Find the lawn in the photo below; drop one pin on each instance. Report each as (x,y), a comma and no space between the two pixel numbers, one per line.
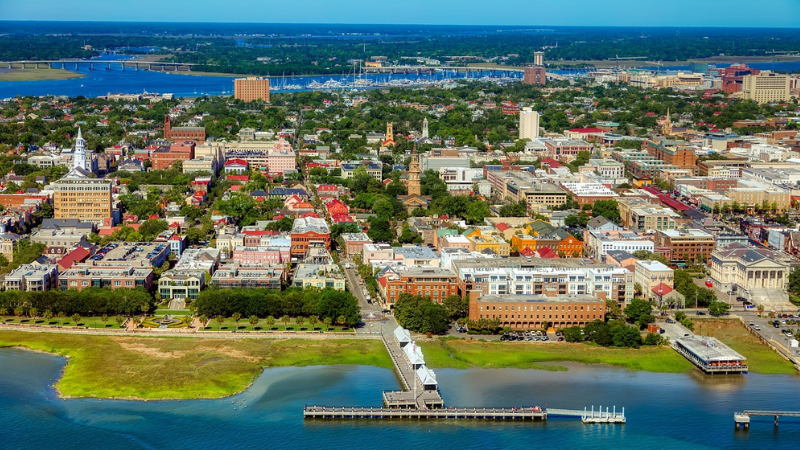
(42,74)
(91,322)
(244,325)
(463,354)
(183,368)
(760,358)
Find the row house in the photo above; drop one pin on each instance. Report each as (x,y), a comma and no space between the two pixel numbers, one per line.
(234,276)
(82,276)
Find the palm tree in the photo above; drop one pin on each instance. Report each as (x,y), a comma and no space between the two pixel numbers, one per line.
(104,319)
(220,320)
(270,321)
(203,320)
(254,322)
(47,316)
(341,320)
(760,309)
(119,319)
(299,321)
(3,313)
(76,318)
(313,321)
(236,318)
(33,313)
(61,316)
(327,321)
(285,319)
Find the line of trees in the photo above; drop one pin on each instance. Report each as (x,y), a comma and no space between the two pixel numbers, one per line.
(612,334)
(92,301)
(293,302)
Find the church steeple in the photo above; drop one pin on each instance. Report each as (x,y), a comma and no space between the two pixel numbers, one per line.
(414,184)
(79,155)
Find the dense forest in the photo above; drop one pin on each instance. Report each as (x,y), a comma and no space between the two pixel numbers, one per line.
(315,49)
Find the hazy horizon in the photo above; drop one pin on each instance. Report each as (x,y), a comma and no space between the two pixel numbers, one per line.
(579,13)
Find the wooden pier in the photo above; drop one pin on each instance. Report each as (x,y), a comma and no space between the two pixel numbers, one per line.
(420,397)
(742,419)
(322,412)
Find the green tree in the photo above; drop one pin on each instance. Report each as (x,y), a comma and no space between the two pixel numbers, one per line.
(327,321)
(299,321)
(285,319)
(313,321)
(253,322)
(33,313)
(220,321)
(456,306)
(637,309)
(341,320)
(606,208)
(270,322)
(119,319)
(76,318)
(718,308)
(104,319)
(46,316)
(236,318)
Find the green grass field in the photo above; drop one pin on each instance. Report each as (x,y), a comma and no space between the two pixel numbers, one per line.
(182,368)
(37,74)
(760,358)
(91,322)
(462,354)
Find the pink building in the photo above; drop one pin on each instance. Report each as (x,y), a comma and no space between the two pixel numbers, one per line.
(256,256)
(281,158)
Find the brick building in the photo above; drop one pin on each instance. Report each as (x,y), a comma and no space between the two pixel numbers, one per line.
(182,133)
(431,282)
(308,231)
(535,75)
(164,157)
(251,89)
(686,244)
(526,312)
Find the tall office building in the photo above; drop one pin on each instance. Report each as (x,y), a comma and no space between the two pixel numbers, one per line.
(251,89)
(538,59)
(535,75)
(528,124)
(766,87)
(77,196)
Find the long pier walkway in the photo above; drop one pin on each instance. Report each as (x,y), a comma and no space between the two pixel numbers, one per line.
(420,397)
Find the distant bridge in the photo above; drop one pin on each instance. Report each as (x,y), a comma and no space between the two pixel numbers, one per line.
(96,64)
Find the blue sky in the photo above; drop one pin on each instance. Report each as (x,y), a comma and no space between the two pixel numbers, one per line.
(692,13)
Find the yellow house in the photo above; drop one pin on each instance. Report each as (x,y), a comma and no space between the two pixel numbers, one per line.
(8,241)
(520,242)
(496,244)
(472,232)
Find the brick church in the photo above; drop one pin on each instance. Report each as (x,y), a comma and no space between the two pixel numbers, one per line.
(180,134)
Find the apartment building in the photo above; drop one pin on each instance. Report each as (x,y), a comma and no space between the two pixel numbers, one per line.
(684,245)
(251,89)
(598,243)
(766,87)
(673,153)
(551,277)
(31,278)
(308,231)
(77,196)
(650,275)
(354,243)
(528,312)
(320,276)
(82,276)
(233,276)
(181,284)
(434,283)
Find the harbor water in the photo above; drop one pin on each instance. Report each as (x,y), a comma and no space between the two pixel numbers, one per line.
(665,411)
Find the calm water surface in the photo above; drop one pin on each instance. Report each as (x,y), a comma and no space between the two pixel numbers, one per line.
(665,411)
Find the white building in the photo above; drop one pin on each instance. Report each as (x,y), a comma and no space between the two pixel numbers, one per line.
(528,124)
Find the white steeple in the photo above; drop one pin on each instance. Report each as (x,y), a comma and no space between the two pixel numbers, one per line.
(425,128)
(79,155)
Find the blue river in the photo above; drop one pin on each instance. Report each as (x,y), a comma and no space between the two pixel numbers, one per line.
(102,81)
(665,411)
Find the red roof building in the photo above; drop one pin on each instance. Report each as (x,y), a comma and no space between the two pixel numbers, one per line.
(78,255)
